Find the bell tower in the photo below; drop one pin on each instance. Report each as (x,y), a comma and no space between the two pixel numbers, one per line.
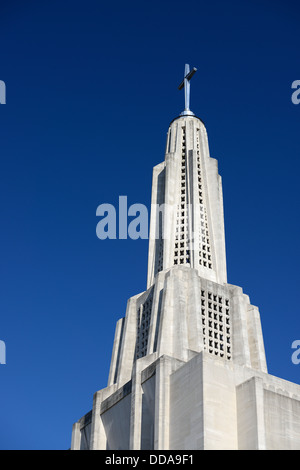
(188,368)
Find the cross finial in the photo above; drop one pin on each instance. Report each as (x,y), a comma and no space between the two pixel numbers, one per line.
(186,84)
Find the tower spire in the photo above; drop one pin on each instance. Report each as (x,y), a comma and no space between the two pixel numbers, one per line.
(186,85)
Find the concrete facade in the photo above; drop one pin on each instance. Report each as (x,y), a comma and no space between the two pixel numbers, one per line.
(206,403)
(188,368)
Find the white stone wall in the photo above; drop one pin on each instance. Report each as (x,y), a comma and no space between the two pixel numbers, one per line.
(181,312)
(204,403)
(116,422)
(282,420)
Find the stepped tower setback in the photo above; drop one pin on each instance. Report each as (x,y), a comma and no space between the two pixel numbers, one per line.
(188,367)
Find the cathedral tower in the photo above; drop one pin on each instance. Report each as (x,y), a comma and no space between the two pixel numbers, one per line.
(188,367)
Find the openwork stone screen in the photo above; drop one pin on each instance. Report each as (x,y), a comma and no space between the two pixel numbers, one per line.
(182,251)
(143,325)
(215,319)
(216,326)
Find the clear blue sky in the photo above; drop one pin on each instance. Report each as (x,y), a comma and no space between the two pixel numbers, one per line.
(91,90)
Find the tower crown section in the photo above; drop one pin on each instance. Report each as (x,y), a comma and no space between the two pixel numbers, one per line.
(187,220)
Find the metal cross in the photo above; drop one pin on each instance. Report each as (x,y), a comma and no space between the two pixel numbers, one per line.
(186,84)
